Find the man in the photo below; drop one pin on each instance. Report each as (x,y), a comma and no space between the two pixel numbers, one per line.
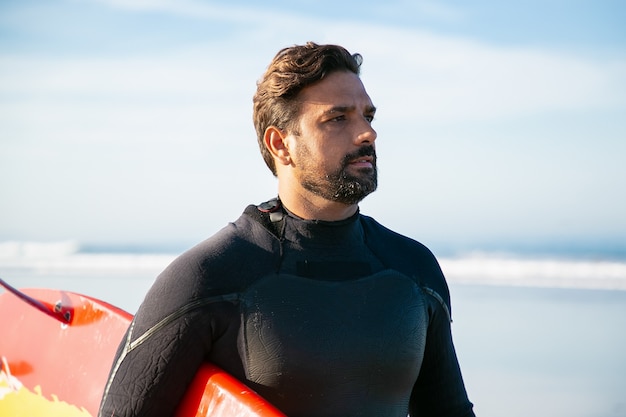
(318,308)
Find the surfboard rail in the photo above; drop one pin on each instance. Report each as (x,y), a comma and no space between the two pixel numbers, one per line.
(56,351)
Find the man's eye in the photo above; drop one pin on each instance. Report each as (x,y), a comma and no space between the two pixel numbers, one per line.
(339,118)
(369,118)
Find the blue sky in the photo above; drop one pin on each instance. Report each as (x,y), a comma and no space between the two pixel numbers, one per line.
(129,122)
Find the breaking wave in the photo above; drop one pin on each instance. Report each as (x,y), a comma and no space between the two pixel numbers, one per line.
(494,269)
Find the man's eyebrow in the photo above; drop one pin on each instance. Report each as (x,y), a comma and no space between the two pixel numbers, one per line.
(345,109)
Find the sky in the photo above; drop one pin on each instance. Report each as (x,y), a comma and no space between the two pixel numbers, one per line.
(128,122)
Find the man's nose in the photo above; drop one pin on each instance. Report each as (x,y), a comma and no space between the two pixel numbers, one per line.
(367,135)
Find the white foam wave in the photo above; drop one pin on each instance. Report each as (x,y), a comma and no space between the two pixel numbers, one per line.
(89,264)
(65,258)
(561,273)
(14,249)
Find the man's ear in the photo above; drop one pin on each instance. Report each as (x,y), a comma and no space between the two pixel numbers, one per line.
(275,142)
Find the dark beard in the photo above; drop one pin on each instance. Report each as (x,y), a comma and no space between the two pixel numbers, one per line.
(345,188)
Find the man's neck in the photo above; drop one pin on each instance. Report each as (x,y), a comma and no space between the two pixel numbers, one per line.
(309,206)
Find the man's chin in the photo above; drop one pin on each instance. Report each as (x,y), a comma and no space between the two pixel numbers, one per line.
(355,192)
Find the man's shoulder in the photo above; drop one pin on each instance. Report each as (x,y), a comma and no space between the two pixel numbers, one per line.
(406,255)
(378,234)
(239,240)
(238,236)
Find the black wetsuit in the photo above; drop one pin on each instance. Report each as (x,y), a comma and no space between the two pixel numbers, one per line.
(321,318)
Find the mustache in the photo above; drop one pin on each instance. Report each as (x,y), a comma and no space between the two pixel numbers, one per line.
(367,150)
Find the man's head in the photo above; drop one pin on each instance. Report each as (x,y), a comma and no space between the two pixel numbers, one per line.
(291,70)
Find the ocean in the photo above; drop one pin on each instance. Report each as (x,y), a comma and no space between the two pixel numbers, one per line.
(537,335)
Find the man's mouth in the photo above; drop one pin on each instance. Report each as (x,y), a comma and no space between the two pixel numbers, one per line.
(362,162)
(363,158)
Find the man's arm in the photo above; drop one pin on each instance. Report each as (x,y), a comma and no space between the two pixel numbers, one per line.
(439,390)
(156,360)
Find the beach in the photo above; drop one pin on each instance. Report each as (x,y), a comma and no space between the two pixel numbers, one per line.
(554,350)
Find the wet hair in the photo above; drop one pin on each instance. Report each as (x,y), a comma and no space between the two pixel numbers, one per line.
(291,70)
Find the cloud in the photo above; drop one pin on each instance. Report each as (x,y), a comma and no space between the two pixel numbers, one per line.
(170,95)
(447,79)
(189,8)
(423,9)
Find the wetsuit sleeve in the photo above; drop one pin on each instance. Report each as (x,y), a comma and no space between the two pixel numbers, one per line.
(189,316)
(161,352)
(439,390)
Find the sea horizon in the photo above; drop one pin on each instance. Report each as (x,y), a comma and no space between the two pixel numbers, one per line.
(556,266)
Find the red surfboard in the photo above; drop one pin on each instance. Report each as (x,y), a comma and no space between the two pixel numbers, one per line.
(56,350)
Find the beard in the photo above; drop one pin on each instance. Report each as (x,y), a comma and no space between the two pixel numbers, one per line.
(341,186)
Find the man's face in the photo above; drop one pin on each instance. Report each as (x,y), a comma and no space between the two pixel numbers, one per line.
(335,157)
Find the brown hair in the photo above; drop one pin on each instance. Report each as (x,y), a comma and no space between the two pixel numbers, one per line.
(291,70)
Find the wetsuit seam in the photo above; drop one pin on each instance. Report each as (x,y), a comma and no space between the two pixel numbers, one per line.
(179,313)
(437,297)
(117,365)
(368,245)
